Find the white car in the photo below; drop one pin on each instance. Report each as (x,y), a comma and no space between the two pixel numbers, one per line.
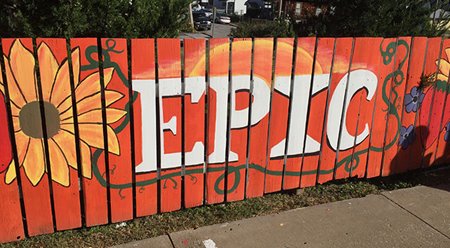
(223,19)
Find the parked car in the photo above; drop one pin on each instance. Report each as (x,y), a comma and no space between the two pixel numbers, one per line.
(208,12)
(201,21)
(222,19)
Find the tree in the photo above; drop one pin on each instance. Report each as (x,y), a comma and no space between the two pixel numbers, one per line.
(104,18)
(161,18)
(263,28)
(386,18)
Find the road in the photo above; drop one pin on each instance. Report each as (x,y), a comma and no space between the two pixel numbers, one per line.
(220,31)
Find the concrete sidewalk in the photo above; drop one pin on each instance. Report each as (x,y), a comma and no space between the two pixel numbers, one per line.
(414,217)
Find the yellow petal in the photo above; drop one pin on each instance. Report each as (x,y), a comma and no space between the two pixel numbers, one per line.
(22,144)
(113,115)
(92,134)
(444,67)
(93,102)
(95,116)
(86,169)
(34,162)
(16,123)
(48,66)
(2,87)
(66,141)
(69,127)
(88,87)
(58,163)
(76,66)
(111,97)
(113,142)
(15,92)
(442,77)
(22,64)
(61,94)
(447,52)
(61,88)
(11,173)
(65,105)
(15,110)
(107,75)
(91,85)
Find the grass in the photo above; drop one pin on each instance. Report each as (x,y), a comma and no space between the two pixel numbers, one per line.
(159,224)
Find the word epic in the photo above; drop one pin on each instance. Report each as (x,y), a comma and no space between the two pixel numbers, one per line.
(299,141)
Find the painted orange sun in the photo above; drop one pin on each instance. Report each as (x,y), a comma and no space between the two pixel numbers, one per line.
(57,102)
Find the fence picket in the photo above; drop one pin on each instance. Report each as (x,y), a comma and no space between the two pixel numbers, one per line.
(326,166)
(169,72)
(94,180)
(115,61)
(259,119)
(378,129)
(443,148)
(279,114)
(241,52)
(55,83)
(20,70)
(403,160)
(348,125)
(440,116)
(426,127)
(398,86)
(299,104)
(219,57)
(317,110)
(194,121)
(144,118)
(11,223)
(355,165)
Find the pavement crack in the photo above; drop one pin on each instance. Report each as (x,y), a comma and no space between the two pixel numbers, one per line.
(416,216)
(171,241)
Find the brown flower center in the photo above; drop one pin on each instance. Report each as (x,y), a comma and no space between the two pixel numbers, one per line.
(30,119)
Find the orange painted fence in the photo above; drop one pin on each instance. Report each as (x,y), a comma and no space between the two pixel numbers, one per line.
(97,131)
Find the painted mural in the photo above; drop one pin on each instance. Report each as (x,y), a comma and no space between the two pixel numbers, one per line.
(98,131)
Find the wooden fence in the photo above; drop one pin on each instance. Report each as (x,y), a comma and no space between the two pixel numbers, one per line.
(95,131)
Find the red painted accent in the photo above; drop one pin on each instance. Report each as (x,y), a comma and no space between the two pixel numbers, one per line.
(10,222)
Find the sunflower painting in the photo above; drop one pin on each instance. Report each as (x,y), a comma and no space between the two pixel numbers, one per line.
(57,103)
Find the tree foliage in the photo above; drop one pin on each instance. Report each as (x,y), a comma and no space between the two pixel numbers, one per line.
(106,18)
(263,29)
(378,18)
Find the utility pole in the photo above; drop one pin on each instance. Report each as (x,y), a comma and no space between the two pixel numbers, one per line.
(191,17)
(281,7)
(213,21)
